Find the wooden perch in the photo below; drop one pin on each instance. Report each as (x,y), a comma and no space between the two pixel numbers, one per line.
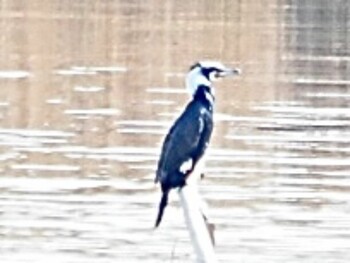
(200,230)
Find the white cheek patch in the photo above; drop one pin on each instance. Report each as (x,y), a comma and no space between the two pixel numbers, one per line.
(186,166)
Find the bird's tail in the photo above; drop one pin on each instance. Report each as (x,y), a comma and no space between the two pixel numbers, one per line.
(163,203)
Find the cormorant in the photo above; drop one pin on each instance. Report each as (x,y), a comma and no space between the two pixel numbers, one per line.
(189,136)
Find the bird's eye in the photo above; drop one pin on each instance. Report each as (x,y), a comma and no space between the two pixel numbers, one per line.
(214,75)
(217,74)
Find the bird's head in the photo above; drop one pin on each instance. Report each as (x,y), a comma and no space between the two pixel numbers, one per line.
(205,72)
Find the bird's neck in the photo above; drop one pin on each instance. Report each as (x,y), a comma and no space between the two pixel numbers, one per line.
(204,95)
(194,79)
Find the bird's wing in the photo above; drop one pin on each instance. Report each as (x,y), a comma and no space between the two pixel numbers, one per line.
(181,141)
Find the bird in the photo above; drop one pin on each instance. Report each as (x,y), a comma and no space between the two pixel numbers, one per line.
(189,136)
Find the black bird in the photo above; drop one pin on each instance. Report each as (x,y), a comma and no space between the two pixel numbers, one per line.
(189,136)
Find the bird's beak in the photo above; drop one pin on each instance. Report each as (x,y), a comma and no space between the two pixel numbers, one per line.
(229,72)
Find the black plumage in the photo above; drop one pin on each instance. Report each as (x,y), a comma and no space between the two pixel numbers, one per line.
(187,140)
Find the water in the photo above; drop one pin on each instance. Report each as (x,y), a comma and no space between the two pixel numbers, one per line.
(88,91)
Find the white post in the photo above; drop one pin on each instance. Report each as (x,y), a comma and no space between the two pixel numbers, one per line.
(196,224)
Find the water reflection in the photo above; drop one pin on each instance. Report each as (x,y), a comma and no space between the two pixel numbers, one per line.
(83,114)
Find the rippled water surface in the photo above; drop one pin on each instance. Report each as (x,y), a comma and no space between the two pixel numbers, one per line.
(88,91)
